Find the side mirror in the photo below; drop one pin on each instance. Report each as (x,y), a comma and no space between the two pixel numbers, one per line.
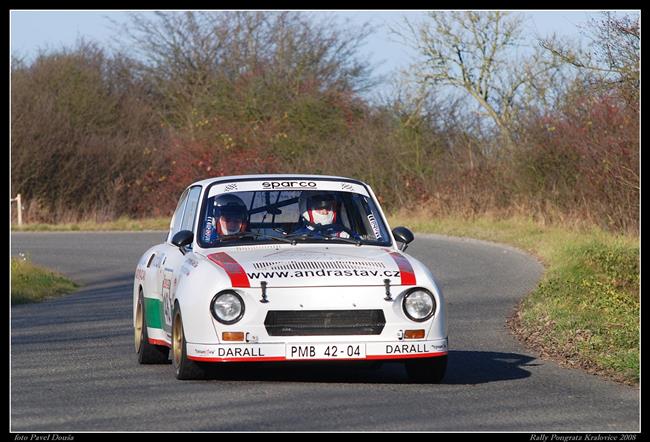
(182,239)
(403,235)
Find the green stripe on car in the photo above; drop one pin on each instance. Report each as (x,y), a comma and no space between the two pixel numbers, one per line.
(153,311)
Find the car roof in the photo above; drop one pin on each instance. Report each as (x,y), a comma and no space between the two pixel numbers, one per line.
(234,178)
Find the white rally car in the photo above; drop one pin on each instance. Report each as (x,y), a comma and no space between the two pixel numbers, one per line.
(266,268)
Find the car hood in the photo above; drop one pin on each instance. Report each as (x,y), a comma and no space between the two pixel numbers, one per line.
(309,266)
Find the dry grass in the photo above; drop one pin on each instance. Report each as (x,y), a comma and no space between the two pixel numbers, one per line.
(123,223)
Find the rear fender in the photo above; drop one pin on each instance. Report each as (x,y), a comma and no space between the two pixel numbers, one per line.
(145,277)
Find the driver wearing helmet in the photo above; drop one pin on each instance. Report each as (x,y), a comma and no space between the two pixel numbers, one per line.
(229,217)
(319,213)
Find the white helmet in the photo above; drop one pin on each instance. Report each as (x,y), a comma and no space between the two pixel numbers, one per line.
(318,207)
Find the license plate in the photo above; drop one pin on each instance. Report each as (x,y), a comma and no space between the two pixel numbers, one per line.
(326,351)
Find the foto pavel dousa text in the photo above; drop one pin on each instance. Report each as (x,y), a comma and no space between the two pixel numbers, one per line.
(43,437)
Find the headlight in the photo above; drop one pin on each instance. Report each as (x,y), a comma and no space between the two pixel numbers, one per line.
(419,305)
(227,307)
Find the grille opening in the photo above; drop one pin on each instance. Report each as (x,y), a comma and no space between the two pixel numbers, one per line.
(317,265)
(324,322)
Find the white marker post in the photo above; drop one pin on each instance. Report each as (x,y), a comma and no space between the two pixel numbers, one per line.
(19,207)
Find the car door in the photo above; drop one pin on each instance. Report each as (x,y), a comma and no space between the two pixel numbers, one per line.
(165,262)
(170,270)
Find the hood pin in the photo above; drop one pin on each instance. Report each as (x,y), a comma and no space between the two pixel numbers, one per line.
(264,299)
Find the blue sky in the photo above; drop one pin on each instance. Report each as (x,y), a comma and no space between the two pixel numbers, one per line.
(33,30)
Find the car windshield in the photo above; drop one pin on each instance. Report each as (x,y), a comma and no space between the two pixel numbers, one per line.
(292,216)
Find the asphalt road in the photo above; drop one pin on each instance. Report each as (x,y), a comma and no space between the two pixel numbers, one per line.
(73,367)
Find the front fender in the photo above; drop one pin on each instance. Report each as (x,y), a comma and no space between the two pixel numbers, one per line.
(425,279)
(199,280)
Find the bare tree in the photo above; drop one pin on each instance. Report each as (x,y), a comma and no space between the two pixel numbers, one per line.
(613,54)
(476,53)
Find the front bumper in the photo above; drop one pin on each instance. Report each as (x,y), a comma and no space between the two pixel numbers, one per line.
(317,351)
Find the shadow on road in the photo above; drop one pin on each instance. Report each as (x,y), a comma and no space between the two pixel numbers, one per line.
(465,367)
(480,367)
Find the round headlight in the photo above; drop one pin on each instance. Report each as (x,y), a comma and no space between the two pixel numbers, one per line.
(227,307)
(419,305)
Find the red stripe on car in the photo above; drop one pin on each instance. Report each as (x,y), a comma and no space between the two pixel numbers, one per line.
(237,275)
(408,356)
(159,342)
(266,359)
(405,268)
(283,359)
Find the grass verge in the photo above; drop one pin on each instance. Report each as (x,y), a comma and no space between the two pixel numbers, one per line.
(122,224)
(32,283)
(586,310)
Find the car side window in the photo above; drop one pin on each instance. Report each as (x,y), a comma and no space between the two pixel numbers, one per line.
(190,208)
(178,214)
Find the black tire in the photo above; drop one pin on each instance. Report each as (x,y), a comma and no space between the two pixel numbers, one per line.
(147,353)
(427,371)
(185,368)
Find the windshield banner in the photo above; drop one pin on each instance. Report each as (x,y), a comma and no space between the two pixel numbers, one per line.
(299,184)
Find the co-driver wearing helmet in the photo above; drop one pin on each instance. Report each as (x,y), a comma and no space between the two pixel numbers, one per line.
(319,213)
(229,217)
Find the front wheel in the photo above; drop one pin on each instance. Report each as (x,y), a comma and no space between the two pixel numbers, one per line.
(184,367)
(428,371)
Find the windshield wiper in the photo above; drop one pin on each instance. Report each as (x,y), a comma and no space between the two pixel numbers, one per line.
(293,237)
(296,236)
(348,240)
(256,236)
